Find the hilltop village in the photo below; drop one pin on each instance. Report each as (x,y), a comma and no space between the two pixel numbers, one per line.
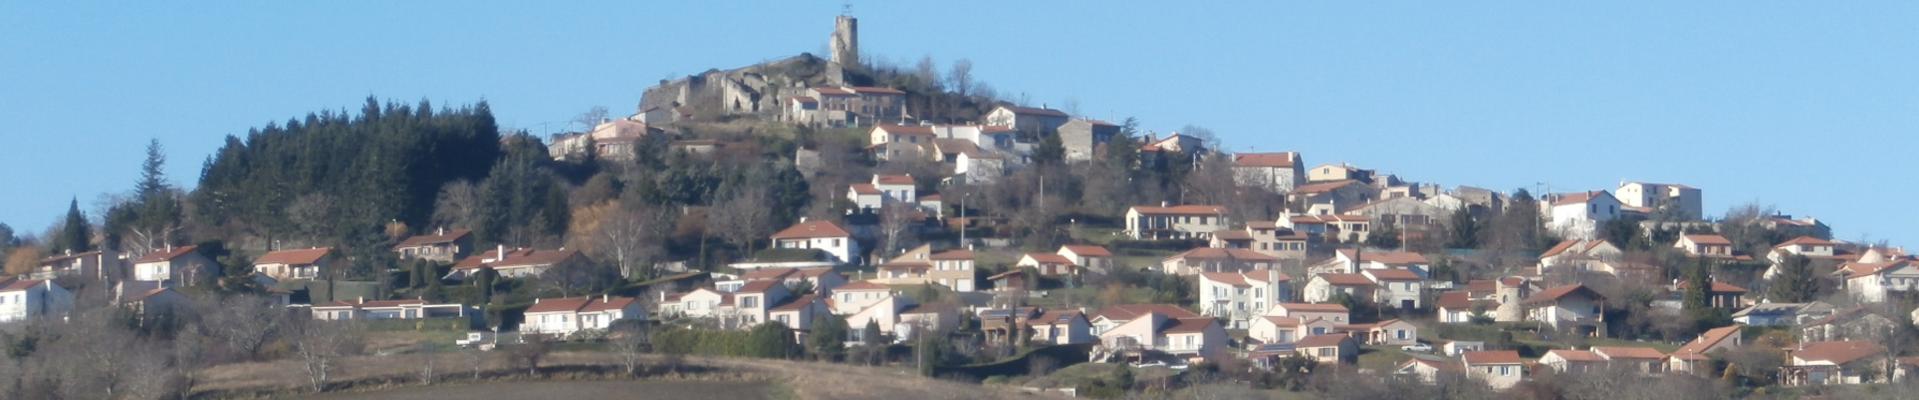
(848,210)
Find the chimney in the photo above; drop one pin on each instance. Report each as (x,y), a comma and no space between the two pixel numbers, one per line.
(605,299)
(802,219)
(536,301)
(1163,203)
(662,296)
(360,300)
(441,231)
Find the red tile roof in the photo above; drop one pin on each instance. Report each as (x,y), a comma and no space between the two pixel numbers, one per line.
(1276,160)
(20,284)
(1181,210)
(1346,279)
(961,254)
(1560,248)
(906,179)
(756,286)
(1491,357)
(812,229)
(1049,258)
(881,90)
(1696,349)
(1088,250)
(515,258)
(1807,240)
(1838,352)
(1454,299)
(1554,294)
(906,130)
(371,303)
(291,257)
(865,188)
(832,91)
(1708,239)
(164,255)
(795,303)
(1628,353)
(1221,253)
(862,285)
(447,237)
(1576,198)
(1717,287)
(1187,325)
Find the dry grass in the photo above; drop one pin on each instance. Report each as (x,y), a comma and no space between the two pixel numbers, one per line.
(805,380)
(565,390)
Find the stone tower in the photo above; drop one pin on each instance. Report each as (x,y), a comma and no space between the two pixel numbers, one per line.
(845,42)
(1509,291)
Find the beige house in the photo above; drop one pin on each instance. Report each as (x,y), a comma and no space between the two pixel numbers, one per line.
(294,264)
(1325,287)
(1704,245)
(1331,312)
(565,316)
(1500,369)
(1392,332)
(952,268)
(516,263)
(1083,137)
(1049,264)
(95,264)
(1328,348)
(902,318)
(853,297)
(1114,315)
(1174,222)
(1322,198)
(1029,121)
(1692,358)
(1213,259)
(1155,335)
(1580,255)
(1264,237)
(443,246)
(1089,256)
(1350,261)
(1572,308)
(1330,226)
(1573,361)
(387,309)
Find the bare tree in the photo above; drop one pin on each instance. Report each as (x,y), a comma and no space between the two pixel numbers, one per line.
(311,214)
(895,221)
(245,323)
(627,234)
(960,77)
(591,118)
(746,217)
(927,72)
(321,344)
(528,355)
(629,342)
(455,204)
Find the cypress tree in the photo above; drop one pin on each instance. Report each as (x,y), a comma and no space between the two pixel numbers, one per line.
(76,235)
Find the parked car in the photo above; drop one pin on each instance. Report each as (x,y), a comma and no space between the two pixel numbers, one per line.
(1419,347)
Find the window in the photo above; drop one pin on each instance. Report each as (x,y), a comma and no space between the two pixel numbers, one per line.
(1505,370)
(750,301)
(1325,352)
(783,320)
(1399,334)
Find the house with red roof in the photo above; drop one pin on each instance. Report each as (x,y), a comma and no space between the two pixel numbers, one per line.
(443,246)
(821,279)
(826,236)
(296,263)
(1160,336)
(564,316)
(883,190)
(1391,332)
(1328,348)
(1325,198)
(1572,308)
(900,318)
(1577,215)
(1846,362)
(950,268)
(361,308)
(1089,256)
(1428,368)
(1458,307)
(1065,326)
(1643,359)
(1339,172)
(1579,254)
(1049,264)
(1353,261)
(1314,318)
(175,265)
(147,300)
(1240,297)
(1709,246)
(1811,247)
(1174,222)
(1874,282)
(844,105)
(1213,259)
(1323,288)
(1115,315)
(858,295)
(516,263)
(1568,361)
(1500,369)
(22,298)
(1277,172)
(1341,227)
(1693,358)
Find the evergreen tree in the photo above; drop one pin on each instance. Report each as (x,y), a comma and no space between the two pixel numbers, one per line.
(1795,282)
(1464,230)
(75,235)
(1051,151)
(828,338)
(770,339)
(1698,286)
(870,335)
(1385,237)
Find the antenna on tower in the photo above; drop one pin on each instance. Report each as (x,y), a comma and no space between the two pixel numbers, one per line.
(846,8)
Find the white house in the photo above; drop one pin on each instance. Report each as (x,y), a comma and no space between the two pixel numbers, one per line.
(853,297)
(27,298)
(516,263)
(1500,369)
(387,309)
(1874,282)
(184,264)
(1277,172)
(294,264)
(565,316)
(1239,297)
(1580,254)
(1397,287)
(1174,222)
(1578,215)
(1572,308)
(1088,256)
(1350,261)
(824,235)
(1027,120)
(1683,200)
(1323,287)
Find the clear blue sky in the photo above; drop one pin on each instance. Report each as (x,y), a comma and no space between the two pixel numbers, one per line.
(1812,107)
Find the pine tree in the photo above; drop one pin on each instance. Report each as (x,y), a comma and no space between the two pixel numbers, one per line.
(1698,286)
(1464,229)
(1795,282)
(76,235)
(1051,151)
(828,338)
